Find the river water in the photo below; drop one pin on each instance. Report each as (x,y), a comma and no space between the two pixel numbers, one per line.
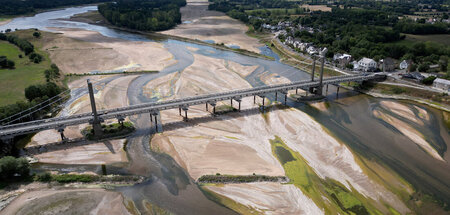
(348,118)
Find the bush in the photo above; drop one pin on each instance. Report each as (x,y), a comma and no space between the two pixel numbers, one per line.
(37,34)
(429,80)
(398,90)
(423,67)
(69,178)
(35,57)
(43,177)
(49,90)
(11,168)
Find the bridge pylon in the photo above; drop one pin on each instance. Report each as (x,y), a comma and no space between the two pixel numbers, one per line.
(96,123)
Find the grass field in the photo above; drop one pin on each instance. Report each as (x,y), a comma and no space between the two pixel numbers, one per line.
(14,81)
(438,38)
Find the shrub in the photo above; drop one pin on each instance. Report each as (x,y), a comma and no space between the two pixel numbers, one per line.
(43,177)
(11,167)
(429,80)
(37,34)
(69,178)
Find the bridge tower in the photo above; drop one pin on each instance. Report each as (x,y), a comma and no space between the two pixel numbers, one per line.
(96,122)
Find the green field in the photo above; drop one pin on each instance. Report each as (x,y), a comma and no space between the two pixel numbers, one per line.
(437,38)
(14,81)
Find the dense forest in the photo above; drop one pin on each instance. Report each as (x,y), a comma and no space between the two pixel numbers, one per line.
(18,7)
(145,15)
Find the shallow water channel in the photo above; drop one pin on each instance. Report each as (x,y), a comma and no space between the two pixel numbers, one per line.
(349,118)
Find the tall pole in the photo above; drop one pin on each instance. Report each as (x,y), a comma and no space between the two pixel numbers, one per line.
(319,90)
(313,68)
(96,123)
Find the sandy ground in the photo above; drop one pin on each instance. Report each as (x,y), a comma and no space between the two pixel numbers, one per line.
(200,23)
(406,112)
(110,95)
(269,198)
(76,201)
(217,146)
(238,143)
(410,132)
(80,51)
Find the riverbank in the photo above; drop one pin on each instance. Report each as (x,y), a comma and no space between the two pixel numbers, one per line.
(199,23)
(97,19)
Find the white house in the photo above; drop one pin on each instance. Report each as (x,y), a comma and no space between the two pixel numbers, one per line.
(311,50)
(442,84)
(367,64)
(404,64)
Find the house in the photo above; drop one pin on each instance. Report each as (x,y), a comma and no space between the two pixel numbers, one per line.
(405,64)
(367,64)
(311,50)
(355,65)
(388,64)
(442,84)
(342,59)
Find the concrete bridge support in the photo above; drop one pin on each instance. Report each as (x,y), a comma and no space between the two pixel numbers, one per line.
(96,122)
(239,102)
(185,109)
(120,120)
(155,114)
(61,132)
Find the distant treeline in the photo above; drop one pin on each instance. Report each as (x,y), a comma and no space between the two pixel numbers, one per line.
(144,15)
(228,5)
(17,7)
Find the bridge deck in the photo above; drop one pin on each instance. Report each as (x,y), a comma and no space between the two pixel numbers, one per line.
(58,122)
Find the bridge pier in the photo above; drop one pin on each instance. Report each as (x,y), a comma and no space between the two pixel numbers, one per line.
(326,91)
(120,120)
(296,91)
(179,110)
(254,99)
(285,98)
(206,106)
(239,102)
(185,114)
(276,96)
(61,132)
(156,120)
(231,102)
(337,92)
(151,117)
(263,98)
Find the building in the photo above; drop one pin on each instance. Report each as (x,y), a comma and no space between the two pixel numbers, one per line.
(404,64)
(342,59)
(442,84)
(388,64)
(367,65)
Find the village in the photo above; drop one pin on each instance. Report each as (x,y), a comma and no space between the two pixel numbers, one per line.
(344,62)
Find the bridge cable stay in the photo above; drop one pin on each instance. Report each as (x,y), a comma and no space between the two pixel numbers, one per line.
(26,113)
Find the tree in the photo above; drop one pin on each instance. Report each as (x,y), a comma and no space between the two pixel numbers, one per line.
(412,68)
(429,80)
(11,167)
(37,34)
(443,63)
(423,67)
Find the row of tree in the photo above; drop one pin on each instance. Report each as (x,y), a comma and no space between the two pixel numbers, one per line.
(17,7)
(23,44)
(145,15)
